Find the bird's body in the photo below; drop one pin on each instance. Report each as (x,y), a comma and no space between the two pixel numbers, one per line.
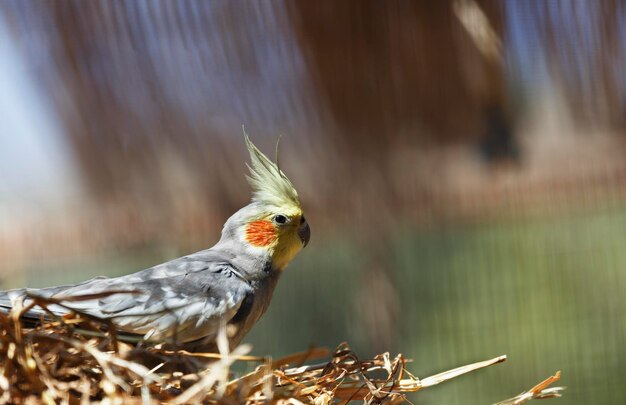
(187,299)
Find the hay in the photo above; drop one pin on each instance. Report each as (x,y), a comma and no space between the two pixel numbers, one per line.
(80,359)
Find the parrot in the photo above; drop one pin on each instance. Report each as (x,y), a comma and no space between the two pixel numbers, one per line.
(187,300)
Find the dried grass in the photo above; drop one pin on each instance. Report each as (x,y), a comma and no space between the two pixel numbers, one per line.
(78,360)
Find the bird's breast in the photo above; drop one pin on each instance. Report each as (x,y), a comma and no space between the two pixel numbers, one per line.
(252,309)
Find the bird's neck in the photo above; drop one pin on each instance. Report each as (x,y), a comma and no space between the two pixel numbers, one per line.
(254,263)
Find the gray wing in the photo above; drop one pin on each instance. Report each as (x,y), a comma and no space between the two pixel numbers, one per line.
(185,299)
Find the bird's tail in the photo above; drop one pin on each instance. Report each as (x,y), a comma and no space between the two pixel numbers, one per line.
(10,298)
(7,299)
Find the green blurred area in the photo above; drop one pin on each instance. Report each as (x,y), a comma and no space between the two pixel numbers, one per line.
(547,292)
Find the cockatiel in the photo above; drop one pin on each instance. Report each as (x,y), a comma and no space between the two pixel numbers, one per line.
(186,300)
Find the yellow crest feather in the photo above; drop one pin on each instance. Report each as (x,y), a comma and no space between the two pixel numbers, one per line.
(269,184)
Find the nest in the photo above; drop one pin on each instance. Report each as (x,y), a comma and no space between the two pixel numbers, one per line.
(81,359)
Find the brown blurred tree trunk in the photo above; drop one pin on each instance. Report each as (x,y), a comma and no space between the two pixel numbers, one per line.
(390,72)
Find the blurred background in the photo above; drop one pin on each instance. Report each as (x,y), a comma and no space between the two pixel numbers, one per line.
(461,163)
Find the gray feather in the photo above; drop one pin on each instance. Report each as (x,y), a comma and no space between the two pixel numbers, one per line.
(185,298)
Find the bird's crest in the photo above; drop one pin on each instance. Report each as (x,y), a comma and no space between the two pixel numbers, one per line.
(269,184)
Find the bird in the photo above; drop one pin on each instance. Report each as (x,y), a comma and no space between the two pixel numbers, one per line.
(187,300)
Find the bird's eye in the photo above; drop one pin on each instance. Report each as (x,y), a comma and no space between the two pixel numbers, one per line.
(280,219)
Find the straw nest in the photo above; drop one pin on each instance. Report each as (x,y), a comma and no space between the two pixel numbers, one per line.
(79,359)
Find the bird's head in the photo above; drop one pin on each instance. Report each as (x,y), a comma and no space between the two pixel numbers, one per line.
(273,223)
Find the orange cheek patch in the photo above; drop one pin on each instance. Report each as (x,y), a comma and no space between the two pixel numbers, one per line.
(261,233)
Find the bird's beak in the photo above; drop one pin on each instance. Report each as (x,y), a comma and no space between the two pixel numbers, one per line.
(304,232)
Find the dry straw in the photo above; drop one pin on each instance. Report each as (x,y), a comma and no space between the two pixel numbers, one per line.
(78,359)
